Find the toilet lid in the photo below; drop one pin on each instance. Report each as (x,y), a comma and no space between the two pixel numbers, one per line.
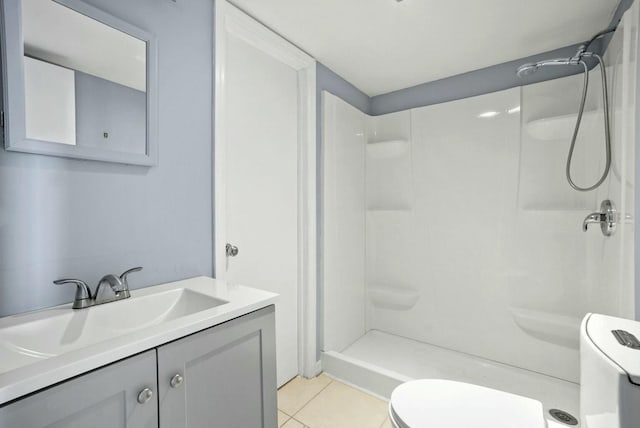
(600,330)
(436,403)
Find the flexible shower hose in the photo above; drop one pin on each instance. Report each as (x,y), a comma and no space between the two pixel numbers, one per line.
(607,132)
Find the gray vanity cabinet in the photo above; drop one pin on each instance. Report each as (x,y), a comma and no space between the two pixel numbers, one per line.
(222,377)
(104,398)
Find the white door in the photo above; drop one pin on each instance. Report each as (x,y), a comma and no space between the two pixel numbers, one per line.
(262,140)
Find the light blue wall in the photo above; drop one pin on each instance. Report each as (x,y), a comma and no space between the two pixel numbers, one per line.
(327,80)
(104,106)
(62,217)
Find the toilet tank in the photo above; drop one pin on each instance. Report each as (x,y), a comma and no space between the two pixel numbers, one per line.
(609,372)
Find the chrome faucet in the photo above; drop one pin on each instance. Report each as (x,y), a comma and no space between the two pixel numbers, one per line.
(607,218)
(110,288)
(593,218)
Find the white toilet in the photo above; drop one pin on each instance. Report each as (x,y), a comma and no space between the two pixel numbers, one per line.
(609,389)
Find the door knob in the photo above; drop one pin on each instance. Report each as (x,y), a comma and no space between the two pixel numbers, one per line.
(231,250)
(176,380)
(145,395)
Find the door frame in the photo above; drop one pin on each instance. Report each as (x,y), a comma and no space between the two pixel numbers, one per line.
(231,20)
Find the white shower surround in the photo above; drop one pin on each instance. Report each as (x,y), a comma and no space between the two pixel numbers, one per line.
(461,231)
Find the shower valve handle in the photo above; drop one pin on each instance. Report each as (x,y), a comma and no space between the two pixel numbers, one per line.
(607,218)
(593,218)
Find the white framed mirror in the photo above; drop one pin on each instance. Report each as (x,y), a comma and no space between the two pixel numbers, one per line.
(78,82)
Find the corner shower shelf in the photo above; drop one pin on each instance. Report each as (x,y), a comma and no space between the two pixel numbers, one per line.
(393,297)
(387,149)
(563,330)
(561,127)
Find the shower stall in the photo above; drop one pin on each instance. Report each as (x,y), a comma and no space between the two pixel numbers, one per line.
(453,246)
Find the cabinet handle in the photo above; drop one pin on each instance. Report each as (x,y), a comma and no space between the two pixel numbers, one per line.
(176,380)
(145,395)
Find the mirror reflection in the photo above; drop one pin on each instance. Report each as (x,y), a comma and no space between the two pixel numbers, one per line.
(85,82)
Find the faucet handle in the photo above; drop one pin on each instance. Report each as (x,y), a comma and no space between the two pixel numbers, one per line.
(83,293)
(608,218)
(592,218)
(124,275)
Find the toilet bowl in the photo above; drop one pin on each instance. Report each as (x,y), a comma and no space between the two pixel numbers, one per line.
(609,389)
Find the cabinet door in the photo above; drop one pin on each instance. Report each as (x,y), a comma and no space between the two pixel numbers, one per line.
(104,398)
(227,373)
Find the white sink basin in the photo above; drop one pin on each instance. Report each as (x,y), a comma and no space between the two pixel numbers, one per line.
(49,333)
(38,349)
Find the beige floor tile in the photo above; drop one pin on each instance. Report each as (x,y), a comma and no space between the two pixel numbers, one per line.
(295,394)
(292,423)
(282,418)
(386,424)
(341,406)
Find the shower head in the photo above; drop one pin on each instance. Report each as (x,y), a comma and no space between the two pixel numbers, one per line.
(527,69)
(532,67)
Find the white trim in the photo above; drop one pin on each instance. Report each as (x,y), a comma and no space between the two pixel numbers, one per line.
(230,20)
(15,138)
(307,232)
(219,152)
(262,38)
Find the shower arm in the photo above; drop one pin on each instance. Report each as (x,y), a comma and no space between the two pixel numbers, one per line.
(583,50)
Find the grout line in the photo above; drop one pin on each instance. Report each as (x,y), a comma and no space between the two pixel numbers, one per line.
(286,420)
(312,398)
(305,426)
(364,392)
(289,381)
(288,415)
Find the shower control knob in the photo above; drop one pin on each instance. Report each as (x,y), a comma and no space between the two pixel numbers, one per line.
(176,380)
(607,218)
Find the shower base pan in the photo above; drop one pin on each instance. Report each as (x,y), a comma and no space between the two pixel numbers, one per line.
(378,362)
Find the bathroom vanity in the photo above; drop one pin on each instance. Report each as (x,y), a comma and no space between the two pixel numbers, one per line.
(191,353)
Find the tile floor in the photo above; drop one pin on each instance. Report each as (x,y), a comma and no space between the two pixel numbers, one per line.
(327,403)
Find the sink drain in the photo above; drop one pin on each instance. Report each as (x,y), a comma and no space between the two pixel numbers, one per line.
(563,417)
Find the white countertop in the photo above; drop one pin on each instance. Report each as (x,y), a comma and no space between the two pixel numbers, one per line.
(22,373)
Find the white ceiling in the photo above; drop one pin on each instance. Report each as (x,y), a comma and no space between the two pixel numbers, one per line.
(385,45)
(62,36)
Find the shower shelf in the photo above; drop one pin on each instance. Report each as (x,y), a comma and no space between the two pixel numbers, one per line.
(551,327)
(561,127)
(393,297)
